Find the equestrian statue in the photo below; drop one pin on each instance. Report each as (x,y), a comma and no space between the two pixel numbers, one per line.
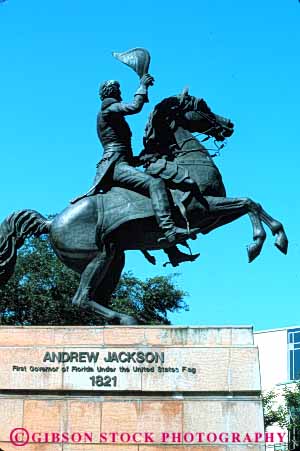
(179,194)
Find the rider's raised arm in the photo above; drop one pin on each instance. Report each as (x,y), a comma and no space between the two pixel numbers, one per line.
(140,97)
(129,108)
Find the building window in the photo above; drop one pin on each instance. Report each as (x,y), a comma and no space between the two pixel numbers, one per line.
(294,353)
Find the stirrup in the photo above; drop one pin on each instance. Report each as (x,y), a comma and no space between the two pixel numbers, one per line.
(165,242)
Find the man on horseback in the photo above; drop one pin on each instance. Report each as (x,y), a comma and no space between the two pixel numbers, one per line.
(116,168)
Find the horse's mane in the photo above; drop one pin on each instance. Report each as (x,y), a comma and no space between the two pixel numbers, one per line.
(158,125)
(167,104)
(165,117)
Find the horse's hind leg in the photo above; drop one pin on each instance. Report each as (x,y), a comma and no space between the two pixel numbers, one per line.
(97,280)
(104,287)
(277,229)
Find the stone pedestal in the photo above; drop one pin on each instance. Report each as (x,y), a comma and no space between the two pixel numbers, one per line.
(130,389)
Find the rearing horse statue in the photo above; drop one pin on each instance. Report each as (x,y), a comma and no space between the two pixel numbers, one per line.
(92,235)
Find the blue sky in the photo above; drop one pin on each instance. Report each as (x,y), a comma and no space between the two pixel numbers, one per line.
(241,57)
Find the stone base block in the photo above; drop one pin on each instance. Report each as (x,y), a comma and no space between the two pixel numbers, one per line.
(130,389)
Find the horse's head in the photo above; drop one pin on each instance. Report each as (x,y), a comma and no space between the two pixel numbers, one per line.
(199,118)
(186,112)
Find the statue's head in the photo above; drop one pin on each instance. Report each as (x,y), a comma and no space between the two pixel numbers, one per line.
(110,88)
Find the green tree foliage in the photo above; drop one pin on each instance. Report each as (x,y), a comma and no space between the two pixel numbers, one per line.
(151,299)
(273,413)
(286,413)
(41,289)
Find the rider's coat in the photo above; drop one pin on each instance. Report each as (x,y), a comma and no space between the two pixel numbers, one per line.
(115,135)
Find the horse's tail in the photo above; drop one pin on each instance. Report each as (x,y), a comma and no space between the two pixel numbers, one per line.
(13,232)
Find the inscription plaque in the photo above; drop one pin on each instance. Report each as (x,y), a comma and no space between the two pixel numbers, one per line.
(126,387)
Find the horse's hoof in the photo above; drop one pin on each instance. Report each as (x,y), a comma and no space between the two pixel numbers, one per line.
(282,242)
(253,252)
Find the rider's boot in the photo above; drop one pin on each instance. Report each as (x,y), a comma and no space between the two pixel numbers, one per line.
(162,210)
(176,256)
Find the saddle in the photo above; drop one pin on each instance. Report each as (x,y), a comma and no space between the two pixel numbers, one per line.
(119,205)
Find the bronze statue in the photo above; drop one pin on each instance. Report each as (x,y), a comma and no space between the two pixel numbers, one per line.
(91,235)
(116,168)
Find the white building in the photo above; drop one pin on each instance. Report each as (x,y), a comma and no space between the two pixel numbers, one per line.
(279,355)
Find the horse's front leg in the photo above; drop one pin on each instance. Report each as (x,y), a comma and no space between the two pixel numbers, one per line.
(259,236)
(225,210)
(277,229)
